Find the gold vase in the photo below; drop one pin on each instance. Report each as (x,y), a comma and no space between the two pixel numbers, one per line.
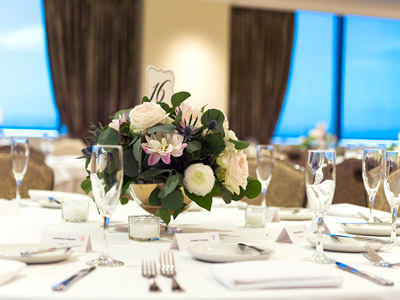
(141,194)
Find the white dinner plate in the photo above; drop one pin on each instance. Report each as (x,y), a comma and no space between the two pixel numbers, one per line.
(226,253)
(376,229)
(12,251)
(49,204)
(295,214)
(338,244)
(42,196)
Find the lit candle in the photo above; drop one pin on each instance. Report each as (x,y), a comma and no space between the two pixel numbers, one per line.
(144,228)
(75,211)
(255,216)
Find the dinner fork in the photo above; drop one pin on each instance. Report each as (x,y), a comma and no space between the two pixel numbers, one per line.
(149,271)
(374,257)
(167,269)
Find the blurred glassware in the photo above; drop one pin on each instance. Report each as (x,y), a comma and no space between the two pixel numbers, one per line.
(372,163)
(19,153)
(391,184)
(320,180)
(265,167)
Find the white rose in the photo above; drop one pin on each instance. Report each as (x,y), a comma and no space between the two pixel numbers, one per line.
(199,179)
(230,134)
(146,115)
(236,170)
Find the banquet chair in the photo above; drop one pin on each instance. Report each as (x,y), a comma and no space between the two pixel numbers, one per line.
(380,199)
(287,186)
(349,183)
(33,153)
(37,176)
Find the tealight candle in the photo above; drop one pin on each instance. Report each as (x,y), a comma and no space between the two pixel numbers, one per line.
(256,216)
(144,228)
(75,210)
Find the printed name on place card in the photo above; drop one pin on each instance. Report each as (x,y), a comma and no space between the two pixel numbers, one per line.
(293,234)
(183,240)
(67,239)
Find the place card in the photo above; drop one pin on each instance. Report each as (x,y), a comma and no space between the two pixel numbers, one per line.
(183,240)
(67,239)
(9,207)
(273,215)
(313,228)
(160,84)
(293,234)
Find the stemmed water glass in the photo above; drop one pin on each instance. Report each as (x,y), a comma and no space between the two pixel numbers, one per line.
(371,174)
(320,180)
(391,184)
(265,167)
(19,153)
(106,176)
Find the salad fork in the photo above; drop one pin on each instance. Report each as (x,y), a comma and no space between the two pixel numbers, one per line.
(374,257)
(167,269)
(149,271)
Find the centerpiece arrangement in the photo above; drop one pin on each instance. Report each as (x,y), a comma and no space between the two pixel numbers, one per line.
(181,150)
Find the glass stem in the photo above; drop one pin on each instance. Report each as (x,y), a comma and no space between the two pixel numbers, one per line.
(105,252)
(319,249)
(18,196)
(394,218)
(264,197)
(371,209)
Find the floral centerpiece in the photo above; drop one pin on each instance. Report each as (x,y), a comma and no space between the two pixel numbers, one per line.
(318,138)
(186,149)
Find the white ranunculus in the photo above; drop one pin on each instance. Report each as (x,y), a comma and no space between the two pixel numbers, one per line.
(146,115)
(199,179)
(234,170)
(230,134)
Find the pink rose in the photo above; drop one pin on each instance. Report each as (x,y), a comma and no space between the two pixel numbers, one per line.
(236,170)
(146,115)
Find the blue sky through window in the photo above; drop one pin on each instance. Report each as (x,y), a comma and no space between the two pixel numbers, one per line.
(26,99)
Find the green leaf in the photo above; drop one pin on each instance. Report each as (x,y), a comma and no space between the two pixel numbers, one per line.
(131,166)
(204,202)
(126,184)
(169,186)
(239,145)
(109,136)
(168,128)
(153,199)
(137,152)
(236,197)
(178,98)
(163,213)
(213,114)
(214,144)
(87,162)
(178,118)
(145,99)
(152,173)
(253,189)
(124,200)
(225,193)
(173,200)
(124,129)
(178,211)
(193,146)
(121,112)
(164,106)
(86,185)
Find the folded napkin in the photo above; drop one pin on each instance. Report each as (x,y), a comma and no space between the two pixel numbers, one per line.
(351,211)
(274,274)
(9,269)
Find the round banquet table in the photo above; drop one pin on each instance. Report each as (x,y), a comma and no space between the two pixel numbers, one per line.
(126,282)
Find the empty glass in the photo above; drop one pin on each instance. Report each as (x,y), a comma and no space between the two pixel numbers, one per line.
(19,153)
(320,187)
(265,167)
(372,173)
(106,176)
(391,184)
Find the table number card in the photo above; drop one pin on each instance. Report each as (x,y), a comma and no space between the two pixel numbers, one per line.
(293,234)
(67,239)
(183,240)
(160,84)
(273,215)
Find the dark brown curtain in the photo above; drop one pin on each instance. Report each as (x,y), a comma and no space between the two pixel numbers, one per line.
(94,52)
(261,46)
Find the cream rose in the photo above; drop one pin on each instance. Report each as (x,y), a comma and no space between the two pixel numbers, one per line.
(199,179)
(146,115)
(236,170)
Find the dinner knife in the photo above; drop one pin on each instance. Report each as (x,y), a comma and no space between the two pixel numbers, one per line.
(362,238)
(62,286)
(259,250)
(45,250)
(373,278)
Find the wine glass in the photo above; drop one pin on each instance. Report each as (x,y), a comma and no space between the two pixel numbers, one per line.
(106,176)
(265,167)
(372,173)
(19,154)
(320,180)
(391,184)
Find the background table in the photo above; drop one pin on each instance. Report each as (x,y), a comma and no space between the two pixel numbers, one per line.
(127,283)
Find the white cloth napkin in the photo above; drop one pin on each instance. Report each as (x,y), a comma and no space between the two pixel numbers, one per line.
(9,269)
(274,274)
(350,211)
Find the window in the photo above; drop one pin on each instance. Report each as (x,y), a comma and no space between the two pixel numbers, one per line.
(26,99)
(367,88)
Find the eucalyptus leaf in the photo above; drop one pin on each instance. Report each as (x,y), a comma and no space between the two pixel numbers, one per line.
(109,136)
(178,118)
(213,114)
(193,146)
(173,200)
(178,98)
(124,200)
(152,173)
(131,166)
(121,112)
(137,152)
(169,186)
(167,128)
(163,213)
(145,99)
(236,197)
(239,145)
(214,144)
(153,198)
(164,106)
(253,189)
(178,211)
(225,193)
(86,185)
(204,202)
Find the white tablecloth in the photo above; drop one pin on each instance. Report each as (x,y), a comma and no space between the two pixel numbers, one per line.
(126,282)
